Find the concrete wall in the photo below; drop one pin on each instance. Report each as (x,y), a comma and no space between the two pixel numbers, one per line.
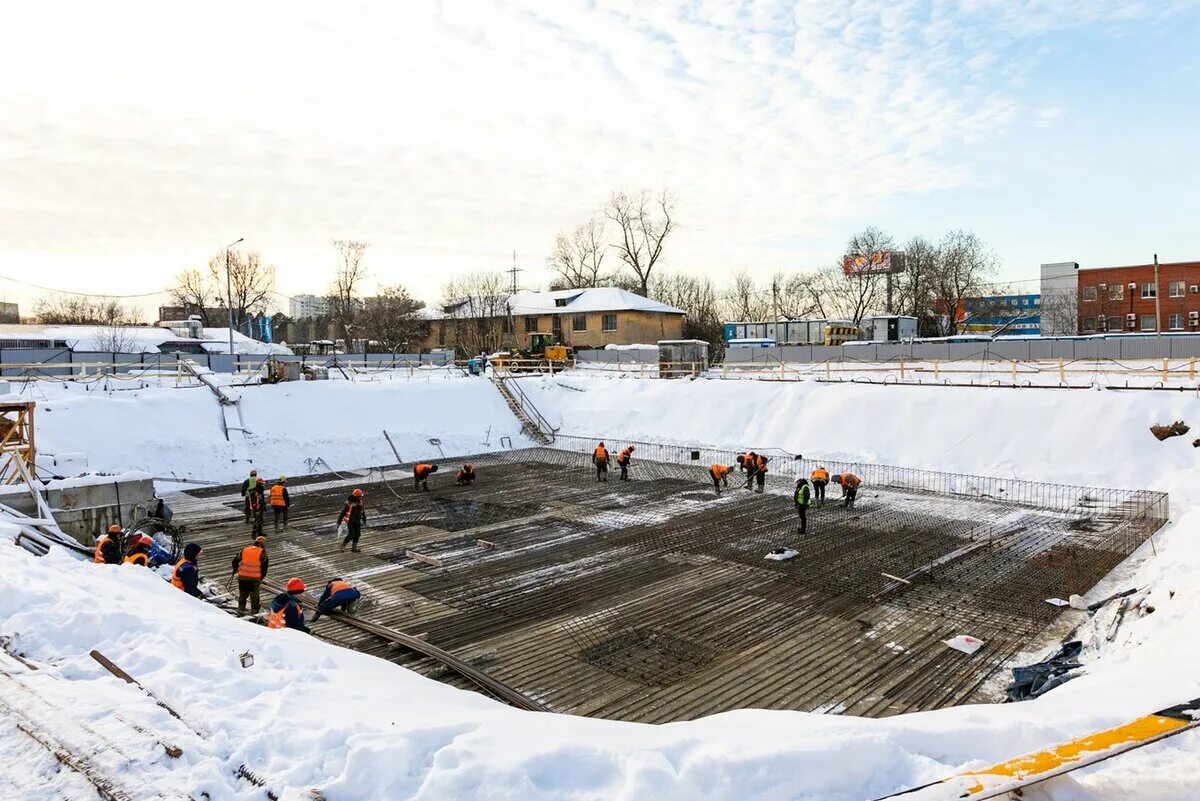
(85,511)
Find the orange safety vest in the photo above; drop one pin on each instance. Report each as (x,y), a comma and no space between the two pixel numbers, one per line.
(850,480)
(337,586)
(98,557)
(623,458)
(745,462)
(278,620)
(422,470)
(718,471)
(138,559)
(761,463)
(176,581)
(250,563)
(277,496)
(600,454)
(820,474)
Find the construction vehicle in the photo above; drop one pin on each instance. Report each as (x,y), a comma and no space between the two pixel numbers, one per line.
(545,353)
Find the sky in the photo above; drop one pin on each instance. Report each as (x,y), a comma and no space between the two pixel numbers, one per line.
(137,139)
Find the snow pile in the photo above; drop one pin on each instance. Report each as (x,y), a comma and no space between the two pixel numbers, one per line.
(180,433)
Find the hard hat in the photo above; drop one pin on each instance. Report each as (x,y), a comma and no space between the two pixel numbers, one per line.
(631,447)
(468,466)
(145,541)
(258,481)
(254,472)
(357,493)
(260,540)
(114,529)
(296,585)
(283,479)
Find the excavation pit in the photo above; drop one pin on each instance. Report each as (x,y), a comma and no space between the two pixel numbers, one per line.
(651,600)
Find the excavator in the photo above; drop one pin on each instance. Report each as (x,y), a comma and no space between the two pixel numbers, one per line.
(545,351)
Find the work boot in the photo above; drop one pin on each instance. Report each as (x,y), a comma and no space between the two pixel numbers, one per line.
(354,548)
(342,547)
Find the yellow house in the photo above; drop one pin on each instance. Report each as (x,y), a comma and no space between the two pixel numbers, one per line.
(582,318)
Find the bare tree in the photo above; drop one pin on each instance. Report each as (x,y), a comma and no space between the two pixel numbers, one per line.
(578,257)
(391,321)
(195,289)
(114,339)
(914,287)
(851,294)
(82,310)
(963,267)
(343,297)
(746,300)
(792,295)
(476,312)
(250,284)
(644,222)
(697,296)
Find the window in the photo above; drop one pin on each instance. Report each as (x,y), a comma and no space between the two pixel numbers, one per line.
(1147,320)
(1089,293)
(1149,291)
(608,322)
(530,324)
(1089,325)
(1037,301)
(1175,321)
(1025,302)
(1116,291)
(579,322)
(1177,289)
(560,301)
(508,325)
(556,324)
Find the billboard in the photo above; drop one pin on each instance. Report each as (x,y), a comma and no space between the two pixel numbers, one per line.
(881,261)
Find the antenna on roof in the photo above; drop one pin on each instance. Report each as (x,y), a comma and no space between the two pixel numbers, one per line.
(513,272)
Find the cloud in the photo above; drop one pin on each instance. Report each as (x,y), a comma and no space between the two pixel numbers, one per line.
(448,134)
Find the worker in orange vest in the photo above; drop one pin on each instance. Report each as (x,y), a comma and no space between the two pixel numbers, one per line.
(421,474)
(338,595)
(466,476)
(139,551)
(250,567)
(108,547)
(286,611)
(623,460)
(820,479)
(600,459)
(760,472)
(186,575)
(720,475)
(748,462)
(352,519)
(849,484)
(280,502)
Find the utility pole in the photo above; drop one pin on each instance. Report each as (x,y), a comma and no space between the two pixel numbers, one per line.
(229,296)
(1157,302)
(513,272)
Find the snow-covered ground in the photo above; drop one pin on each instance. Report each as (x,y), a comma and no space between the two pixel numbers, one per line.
(308,715)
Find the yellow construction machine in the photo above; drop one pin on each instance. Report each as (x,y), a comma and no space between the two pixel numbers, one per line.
(545,352)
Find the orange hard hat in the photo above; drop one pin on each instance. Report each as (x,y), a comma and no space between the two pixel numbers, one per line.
(357,493)
(145,540)
(296,585)
(258,481)
(114,529)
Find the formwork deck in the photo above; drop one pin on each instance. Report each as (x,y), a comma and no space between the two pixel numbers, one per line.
(651,600)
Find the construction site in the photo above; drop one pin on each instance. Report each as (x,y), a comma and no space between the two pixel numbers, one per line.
(654,599)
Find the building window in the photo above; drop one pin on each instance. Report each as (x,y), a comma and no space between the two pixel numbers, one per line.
(1116,291)
(1149,291)
(579,322)
(560,301)
(1175,321)
(508,325)
(608,322)
(1147,321)
(556,324)
(1177,289)
(1037,301)
(1089,293)
(530,324)
(1089,325)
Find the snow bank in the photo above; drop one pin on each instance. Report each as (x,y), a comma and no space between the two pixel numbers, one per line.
(180,433)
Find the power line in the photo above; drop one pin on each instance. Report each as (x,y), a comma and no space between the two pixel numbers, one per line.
(81,294)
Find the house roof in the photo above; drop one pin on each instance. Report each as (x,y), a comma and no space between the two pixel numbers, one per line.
(573,301)
(138,338)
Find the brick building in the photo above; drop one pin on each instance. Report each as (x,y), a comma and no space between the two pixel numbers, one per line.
(1122,299)
(582,318)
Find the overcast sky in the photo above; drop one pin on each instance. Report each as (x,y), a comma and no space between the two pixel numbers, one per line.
(137,139)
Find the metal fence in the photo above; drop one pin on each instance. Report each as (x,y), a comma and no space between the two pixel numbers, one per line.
(1167,346)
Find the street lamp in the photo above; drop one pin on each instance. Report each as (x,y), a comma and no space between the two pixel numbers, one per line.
(229,293)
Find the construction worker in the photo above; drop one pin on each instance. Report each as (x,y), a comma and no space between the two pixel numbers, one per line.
(849,484)
(256,499)
(600,459)
(820,478)
(720,475)
(186,575)
(803,499)
(351,520)
(248,485)
(623,460)
(466,477)
(108,547)
(749,463)
(338,595)
(250,566)
(421,474)
(139,551)
(286,611)
(760,471)
(280,501)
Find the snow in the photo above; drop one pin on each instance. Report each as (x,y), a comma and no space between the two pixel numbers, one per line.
(140,338)
(309,715)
